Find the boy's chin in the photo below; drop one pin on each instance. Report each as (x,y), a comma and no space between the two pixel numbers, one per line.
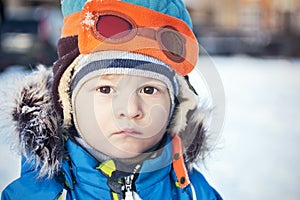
(124,155)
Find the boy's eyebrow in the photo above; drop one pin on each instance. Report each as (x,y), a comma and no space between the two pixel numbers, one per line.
(108,77)
(118,77)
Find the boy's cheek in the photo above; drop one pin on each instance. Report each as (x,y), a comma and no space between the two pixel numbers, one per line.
(154,124)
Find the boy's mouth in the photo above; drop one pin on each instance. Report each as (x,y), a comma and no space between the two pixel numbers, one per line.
(129,132)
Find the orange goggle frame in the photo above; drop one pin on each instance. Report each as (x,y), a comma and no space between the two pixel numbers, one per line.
(114,25)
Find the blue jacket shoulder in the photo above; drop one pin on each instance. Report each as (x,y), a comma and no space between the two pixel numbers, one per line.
(202,188)
(28,186)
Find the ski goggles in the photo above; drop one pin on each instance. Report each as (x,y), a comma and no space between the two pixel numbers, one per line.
(115,25)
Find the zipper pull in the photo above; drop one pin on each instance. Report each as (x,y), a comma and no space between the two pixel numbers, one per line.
(129,193)
(128,187)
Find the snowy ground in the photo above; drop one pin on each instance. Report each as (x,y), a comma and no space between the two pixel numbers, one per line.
(257,155)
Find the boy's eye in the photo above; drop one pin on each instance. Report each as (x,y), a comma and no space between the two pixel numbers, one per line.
(149,90)
(105,89)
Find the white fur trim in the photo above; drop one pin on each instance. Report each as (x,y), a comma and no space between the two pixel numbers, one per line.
(188,100)
(31,119)
(64,91)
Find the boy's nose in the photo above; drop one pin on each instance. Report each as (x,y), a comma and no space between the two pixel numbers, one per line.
(130,107)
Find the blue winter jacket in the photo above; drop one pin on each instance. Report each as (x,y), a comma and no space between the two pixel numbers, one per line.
(82,179)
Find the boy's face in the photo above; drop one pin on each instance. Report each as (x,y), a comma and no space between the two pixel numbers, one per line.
(121,115)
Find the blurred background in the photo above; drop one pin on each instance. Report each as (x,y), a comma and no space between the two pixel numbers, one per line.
(254,46)
(252,27)
(29,32)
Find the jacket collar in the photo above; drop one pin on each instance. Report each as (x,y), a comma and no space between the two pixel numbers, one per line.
(85,167)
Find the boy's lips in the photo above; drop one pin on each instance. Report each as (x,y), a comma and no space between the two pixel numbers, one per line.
(130,132)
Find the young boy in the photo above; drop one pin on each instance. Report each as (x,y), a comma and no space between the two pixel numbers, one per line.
(118,119)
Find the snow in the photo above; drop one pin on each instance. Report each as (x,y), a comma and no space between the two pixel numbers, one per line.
(257,155)
(88,20)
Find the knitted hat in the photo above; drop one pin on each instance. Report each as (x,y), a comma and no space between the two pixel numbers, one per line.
(134,37)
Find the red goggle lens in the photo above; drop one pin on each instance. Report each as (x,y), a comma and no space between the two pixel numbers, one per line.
(113,27)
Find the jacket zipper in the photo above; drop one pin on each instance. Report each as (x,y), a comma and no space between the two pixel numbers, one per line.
(128,183)
(128,187)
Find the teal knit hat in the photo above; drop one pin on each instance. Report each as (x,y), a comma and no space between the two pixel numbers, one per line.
(175,8)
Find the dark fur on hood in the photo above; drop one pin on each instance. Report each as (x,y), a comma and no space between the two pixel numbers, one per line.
(36,123)
(41,133)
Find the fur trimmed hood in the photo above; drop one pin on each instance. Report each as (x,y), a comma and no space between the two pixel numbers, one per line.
(30,117)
